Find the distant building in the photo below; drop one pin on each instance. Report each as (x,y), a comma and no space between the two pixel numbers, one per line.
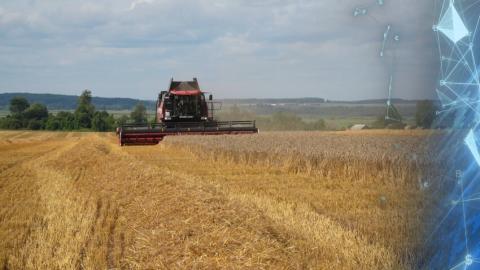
(359,127)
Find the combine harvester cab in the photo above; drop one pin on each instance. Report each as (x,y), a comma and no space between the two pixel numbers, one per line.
(182,110)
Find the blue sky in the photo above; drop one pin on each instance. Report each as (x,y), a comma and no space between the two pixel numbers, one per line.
(236,48)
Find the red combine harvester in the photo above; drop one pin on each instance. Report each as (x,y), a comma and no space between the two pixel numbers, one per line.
(182,110)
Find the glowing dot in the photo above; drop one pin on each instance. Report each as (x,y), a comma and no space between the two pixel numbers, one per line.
(359,11)
(468,260)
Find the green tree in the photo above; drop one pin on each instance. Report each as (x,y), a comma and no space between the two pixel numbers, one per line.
(317,125)
(139,114)
(85,110)
(10,122)
(35,124)
(122,120)
(102,121)
(18,105)
(36,111)
(35,116)
(425,114)
(67,120)
(53,123)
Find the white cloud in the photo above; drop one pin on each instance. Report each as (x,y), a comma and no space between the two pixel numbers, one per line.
(237,44)
(277,41)
(136,3)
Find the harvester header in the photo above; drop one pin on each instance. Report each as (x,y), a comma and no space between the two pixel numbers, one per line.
(183,109)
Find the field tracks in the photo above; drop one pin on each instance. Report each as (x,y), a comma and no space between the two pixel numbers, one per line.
(80,201)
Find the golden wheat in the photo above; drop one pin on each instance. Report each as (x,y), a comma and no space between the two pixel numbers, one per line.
(276,201)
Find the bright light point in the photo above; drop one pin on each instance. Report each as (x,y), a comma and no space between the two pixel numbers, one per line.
(468,260)
(359,11)
(443,82)
(472,146)
(380,2)
(451,25)
(444,99)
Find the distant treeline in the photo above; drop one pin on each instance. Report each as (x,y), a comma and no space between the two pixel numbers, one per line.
(284,119)
(69,102)
(275,121)
(35,116)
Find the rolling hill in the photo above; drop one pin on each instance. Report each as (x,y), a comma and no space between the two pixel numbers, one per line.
(69,102)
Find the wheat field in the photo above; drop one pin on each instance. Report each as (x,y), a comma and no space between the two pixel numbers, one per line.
(297,200)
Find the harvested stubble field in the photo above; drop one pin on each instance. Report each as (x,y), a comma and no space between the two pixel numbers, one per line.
(297,200)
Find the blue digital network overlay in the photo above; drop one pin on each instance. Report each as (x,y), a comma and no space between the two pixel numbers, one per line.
(453,238)
(453,241)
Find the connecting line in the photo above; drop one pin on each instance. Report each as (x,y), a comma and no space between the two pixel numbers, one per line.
(390,83)
(476,27)
(459,265)
(471,5)
(441,222)
(385,37)
(461,178)
(470,49)
(440,51)
(475,75)
(449,59)
(454,51)
(459,98)
(457,64)
(471,200)
(464,84)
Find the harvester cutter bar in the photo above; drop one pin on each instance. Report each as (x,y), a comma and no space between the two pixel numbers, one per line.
(138,134)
